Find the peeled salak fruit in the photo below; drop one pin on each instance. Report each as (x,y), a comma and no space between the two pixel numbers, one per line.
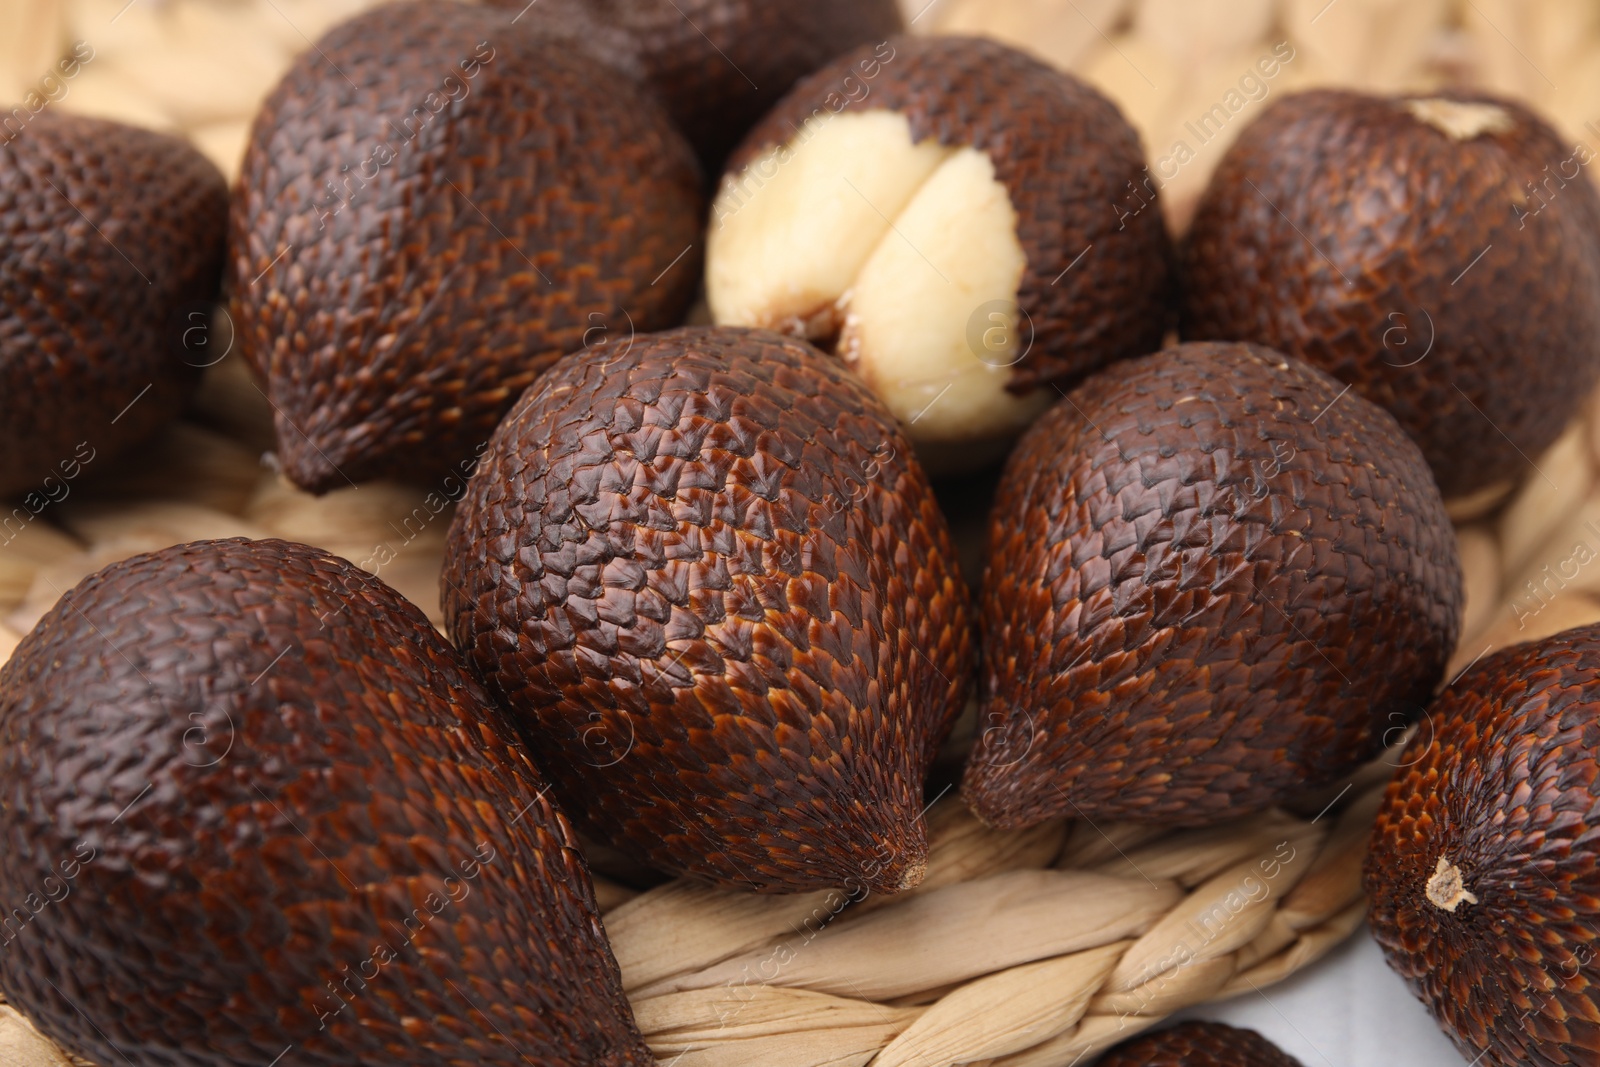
(943,213)
(254,810)
(712,584)
(1196,1044)
(110,256)
(1216,578)
(1483,878)
(435,204)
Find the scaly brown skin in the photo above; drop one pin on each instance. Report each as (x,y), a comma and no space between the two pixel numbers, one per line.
(412,306)
(252,805)
(717,66)
(1341,229)
(1502,783)
(1198,1045)
(1065,156)
(111,237)
(712,583)
(1195,561)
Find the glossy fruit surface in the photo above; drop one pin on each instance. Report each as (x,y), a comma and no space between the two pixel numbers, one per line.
(713,585)
(1441,254)
(1215,579)
(435,205)
(1196,1044)
(1483,878)
(110,252)
(252,806)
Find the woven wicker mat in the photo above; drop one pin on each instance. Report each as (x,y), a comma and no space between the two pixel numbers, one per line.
(1020,948)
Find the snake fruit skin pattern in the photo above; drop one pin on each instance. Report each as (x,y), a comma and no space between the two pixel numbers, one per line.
(259,808)
(711,581)
(111,237)
(717,65)
(1342,229)
(1065,156)
(1198,1045)
(436,204)
(1501,783)
(1195,561)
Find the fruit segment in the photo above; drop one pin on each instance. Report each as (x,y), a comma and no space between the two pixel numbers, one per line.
(903,257)
(790,234)
(933,319)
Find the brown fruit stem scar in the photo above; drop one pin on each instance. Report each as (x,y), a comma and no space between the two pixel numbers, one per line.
(1446,889)
(1460,120)
(913,876)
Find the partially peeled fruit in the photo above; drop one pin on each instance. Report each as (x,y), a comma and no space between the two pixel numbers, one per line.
(941,214)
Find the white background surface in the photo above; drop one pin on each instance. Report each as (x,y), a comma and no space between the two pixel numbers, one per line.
(1347,1010)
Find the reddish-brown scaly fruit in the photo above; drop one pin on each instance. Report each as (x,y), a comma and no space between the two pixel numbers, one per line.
(1484,874)
(946,213)
(260,812)
(713,584)
(1195,561)
(1440,253)
(110,254)
(435,205)
(716,65)
(1198,1045)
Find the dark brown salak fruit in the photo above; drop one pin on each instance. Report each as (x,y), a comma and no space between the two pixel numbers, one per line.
(711,582)
(1483,878)
(1441,254)
(716,65)
(943,212)
(1198,1044)
(111,246)
(252,805)
(1214,581)
(436,204)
